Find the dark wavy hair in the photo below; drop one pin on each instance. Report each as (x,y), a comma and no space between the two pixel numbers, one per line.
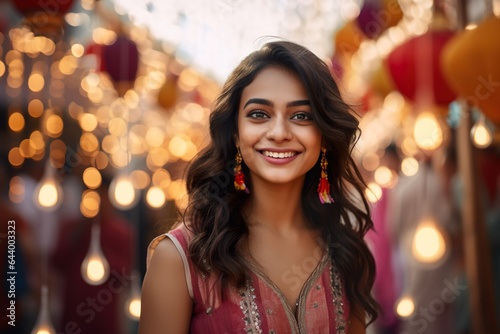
(214,211)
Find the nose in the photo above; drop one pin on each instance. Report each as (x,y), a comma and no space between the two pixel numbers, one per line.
(279,130)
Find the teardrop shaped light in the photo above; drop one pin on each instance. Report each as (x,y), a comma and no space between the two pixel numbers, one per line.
(133,304)
(43,323)
(122,192)
(429,242)
(405,306)
(481,134)
(95,267)
(48,192)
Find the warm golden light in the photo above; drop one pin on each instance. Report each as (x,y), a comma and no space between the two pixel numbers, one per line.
(155,197)
(122,193)
(48,193)
(161,178)
(43,324)
(383,176)
(95,266)
(177,146)
(92,177)
(409,147)
(110,144)
(373,192)
(16,121)
(117,127)
(140,179)
(2,68)
(88,122)
(89,142)
(427,132)
(36,82)
(155,137)
(77,50)
(54,126)
(15,157)
(409,166)
(405,307)
(370,161)
(100,160)
(48,197)
(480,134)
(429,244)
(16,189)
(157,157)
(134,308)
(68,64)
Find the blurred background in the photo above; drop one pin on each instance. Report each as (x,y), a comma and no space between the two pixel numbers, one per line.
(103,104)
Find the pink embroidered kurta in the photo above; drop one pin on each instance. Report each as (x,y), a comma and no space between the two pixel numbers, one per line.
(261,307)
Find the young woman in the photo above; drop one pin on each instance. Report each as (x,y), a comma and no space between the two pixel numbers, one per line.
(280,249)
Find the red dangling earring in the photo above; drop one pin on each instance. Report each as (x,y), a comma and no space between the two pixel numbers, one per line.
(239,177)
(324,185)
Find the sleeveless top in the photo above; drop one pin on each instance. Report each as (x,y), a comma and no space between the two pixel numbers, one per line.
(261,307)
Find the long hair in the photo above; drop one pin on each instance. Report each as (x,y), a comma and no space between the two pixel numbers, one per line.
(214,211)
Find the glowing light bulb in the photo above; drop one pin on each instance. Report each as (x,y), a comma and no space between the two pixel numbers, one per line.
(155,197)
(481,134)
(133,304)
(405,307)
(43,323)
(373,192)
(429,244)
(95,267)
(48,193)
(122,193)
(427,132)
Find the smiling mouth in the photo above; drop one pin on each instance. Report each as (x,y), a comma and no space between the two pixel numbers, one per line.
(279,155)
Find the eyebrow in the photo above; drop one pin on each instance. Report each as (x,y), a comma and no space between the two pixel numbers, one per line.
(271,104)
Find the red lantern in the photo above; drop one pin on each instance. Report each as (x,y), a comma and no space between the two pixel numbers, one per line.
(120,60)
(415,66)
(45,17)
(378,15)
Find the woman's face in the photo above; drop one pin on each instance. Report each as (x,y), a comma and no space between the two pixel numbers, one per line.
(277,136)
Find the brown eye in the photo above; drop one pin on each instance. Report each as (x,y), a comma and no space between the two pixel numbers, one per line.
(302,116)
(257,114)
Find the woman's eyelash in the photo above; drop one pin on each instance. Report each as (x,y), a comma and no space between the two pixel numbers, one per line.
(303,116)
(257,114)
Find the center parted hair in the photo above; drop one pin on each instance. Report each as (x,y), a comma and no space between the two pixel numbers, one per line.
(214,211)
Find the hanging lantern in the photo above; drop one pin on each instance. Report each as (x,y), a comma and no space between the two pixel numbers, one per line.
(43,323)
(48,193)
(95,267)
(414,66)
(347,40)
(378,15)
(121,62)
(167,94)
(44,17)
(470,63)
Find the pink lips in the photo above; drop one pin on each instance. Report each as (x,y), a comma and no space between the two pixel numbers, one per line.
(278,161)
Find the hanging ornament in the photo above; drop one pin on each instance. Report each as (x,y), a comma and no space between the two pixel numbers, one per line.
(48,192)
(44,17)
(429,245)
(95,267)
(481,134)
(43,323)
(471,66)
(122,193)
(414,66)
(121,62)
(377,15)
(133,304)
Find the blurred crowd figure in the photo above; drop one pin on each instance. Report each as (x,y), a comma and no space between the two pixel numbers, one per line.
(439,290)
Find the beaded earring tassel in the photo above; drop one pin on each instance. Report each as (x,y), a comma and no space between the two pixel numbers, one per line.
(239,177)
(324,185)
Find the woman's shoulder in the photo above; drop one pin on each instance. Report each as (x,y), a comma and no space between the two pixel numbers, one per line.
(174,241)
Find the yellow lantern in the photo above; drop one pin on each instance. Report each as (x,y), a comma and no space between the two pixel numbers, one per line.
(471,66)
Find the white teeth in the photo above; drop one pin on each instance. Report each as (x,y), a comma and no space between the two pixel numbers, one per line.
(280,155)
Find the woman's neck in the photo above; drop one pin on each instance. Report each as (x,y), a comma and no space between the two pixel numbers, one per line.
(276,206)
